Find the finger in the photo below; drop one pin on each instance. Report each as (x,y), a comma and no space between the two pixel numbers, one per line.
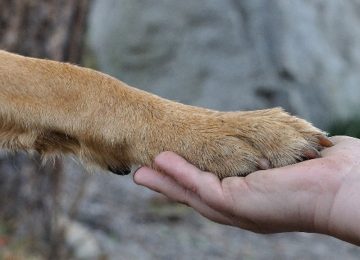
(159,182)
(338,139)
(162,183)
(344,145)
(206,185)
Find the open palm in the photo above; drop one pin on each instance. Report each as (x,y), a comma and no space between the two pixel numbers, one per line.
(320,195)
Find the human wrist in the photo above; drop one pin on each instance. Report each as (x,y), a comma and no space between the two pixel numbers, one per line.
(348,229)
(343,214)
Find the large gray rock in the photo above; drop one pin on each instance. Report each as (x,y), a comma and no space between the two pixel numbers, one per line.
(236,54)
(230,55)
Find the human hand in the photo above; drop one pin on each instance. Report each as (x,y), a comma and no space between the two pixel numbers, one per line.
(320,195)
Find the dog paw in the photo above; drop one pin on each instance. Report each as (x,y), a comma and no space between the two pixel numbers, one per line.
(238,143)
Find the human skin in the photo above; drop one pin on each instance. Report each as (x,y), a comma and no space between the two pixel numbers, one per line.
(320,195)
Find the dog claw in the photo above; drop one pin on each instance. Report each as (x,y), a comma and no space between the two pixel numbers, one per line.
(117,171)
(311,154)
(325,142)
(264,164)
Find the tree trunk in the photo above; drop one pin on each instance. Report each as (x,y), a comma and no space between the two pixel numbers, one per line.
(29,191)
(44,28)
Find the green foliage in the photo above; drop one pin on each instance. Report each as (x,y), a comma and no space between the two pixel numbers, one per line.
(349,127)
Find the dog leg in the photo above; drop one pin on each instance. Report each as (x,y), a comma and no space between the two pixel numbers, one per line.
(53,107)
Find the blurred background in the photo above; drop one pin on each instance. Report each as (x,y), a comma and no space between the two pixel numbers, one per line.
(223,54)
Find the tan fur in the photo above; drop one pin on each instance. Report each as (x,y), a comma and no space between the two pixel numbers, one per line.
(55,107)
